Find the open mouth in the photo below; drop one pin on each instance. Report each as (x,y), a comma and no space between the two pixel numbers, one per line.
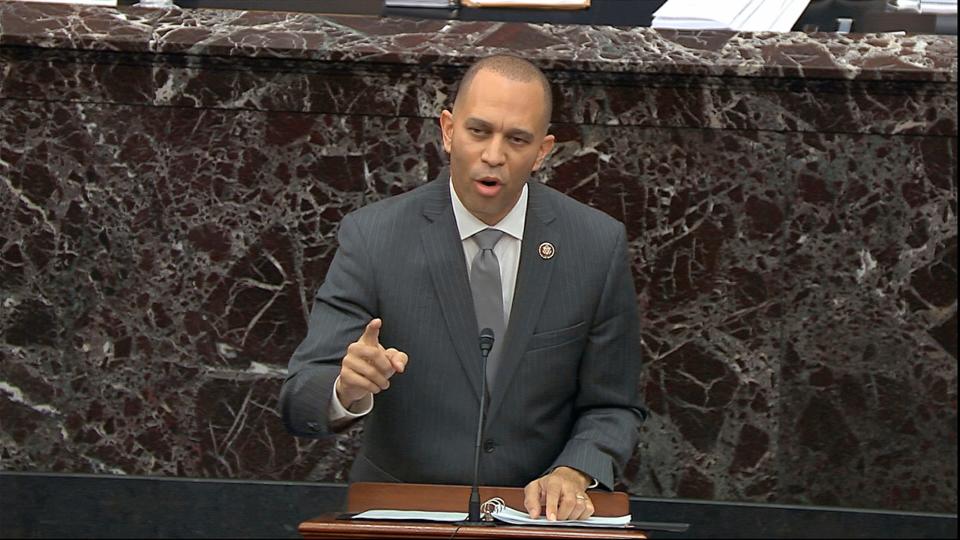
(489,187)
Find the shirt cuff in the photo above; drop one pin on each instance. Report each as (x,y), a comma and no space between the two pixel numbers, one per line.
(338,412)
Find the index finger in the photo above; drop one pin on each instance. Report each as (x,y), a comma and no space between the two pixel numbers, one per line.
(553,500)
(398,359)
(531,499)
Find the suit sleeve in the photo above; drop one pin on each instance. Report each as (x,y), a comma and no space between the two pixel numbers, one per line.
(342,307)
(606,431)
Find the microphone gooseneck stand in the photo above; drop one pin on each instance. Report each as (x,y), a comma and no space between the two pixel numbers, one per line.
(486,343)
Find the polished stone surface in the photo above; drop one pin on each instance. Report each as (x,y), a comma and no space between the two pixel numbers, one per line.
(172,183)
(114,506)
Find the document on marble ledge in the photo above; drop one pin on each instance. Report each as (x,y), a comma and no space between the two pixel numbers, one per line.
(528,4)
(739,15)
(448,4)
(81,2)
(499,511)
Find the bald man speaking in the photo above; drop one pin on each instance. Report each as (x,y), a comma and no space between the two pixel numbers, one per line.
(393,333)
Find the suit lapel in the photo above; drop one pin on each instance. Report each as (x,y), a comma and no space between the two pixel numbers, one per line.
(533,282)
(448,269)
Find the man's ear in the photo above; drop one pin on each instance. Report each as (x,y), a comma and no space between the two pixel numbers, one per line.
(545,147)
(446,129)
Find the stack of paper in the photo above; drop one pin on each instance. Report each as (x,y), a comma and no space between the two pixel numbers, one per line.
(84,2)
(946,7)
(514,517)
(740,15)
(506,515)
(529,4)
(421,3)
(535,4)
(938,6)
(496,509)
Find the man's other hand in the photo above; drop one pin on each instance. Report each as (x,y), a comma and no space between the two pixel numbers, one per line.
(561,493)
(367,367)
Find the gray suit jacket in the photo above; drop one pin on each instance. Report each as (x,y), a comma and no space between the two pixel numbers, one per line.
(566,392)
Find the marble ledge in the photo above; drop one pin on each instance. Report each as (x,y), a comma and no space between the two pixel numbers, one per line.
(301,36)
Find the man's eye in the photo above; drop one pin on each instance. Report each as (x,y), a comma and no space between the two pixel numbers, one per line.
(518,140)
(475,131)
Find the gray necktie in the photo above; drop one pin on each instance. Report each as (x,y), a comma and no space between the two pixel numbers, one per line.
(488,294)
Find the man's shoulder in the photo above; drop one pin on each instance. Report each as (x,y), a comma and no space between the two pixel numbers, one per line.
(568,208)
(401,206)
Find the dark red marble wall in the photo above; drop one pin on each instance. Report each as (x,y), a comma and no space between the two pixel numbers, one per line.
(171,184)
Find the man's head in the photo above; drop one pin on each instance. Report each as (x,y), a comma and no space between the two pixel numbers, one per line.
(497,134)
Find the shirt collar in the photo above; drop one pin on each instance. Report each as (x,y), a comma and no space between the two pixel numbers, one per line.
(511,224)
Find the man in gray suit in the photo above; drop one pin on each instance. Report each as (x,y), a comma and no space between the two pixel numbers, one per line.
(399,315)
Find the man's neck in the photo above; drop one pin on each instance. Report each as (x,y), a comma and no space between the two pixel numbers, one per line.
(512,223)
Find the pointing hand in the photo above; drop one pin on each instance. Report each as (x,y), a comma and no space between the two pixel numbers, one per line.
(368,367)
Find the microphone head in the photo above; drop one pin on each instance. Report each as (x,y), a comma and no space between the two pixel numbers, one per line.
(486,341)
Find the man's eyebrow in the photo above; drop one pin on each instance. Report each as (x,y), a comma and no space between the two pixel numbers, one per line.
(522,133)
(476,122)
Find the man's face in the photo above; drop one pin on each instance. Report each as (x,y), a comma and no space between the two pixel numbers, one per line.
(496,136)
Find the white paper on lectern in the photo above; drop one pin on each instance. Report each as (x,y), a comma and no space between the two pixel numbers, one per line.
(414,515)
(514,517)
(722,14)
(419,3)
(774,16)
(503,513)
(789,17)
(83,2)
(740,15)
(940,7)
(534,4)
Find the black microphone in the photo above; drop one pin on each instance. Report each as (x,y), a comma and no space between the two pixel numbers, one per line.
(486,343)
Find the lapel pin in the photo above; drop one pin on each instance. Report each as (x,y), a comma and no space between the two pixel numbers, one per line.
(547,250)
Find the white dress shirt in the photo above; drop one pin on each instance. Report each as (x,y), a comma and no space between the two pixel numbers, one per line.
(507,251)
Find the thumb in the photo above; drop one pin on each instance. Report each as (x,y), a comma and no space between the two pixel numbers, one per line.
(371,334)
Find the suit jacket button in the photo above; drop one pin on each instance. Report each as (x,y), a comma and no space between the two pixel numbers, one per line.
(489,446)
(315,426)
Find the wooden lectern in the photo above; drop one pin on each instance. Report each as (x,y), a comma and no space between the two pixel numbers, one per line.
(364,496)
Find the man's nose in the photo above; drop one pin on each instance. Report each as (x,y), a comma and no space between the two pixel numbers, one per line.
(493,155)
